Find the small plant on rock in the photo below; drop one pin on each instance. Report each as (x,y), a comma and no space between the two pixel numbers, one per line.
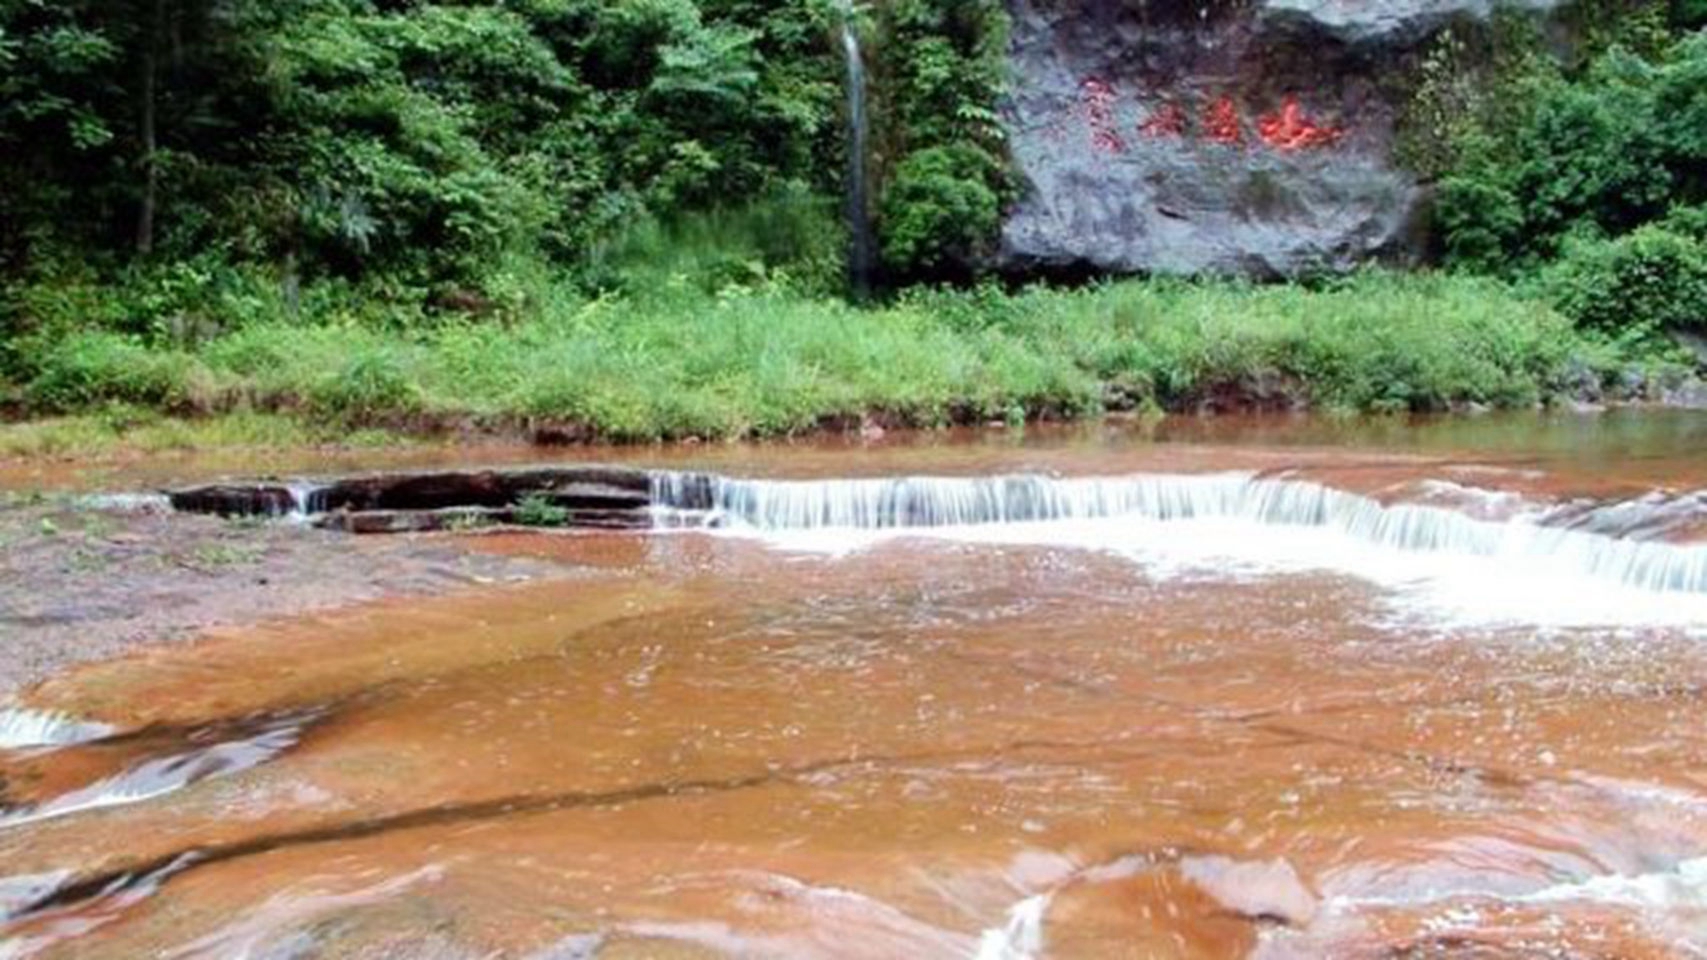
(535,510)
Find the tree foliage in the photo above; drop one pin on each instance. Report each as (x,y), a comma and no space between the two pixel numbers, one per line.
(945,72)
(416,141)
(940,208)
(1568,168)
(1642,284)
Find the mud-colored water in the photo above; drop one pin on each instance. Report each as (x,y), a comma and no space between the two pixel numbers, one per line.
(1065,737)
(1620,449)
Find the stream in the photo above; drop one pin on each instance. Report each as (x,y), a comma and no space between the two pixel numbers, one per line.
(1205,689)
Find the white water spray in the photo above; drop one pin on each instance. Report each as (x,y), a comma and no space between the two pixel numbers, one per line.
(307,500)
(168,774)
(1439,564)
(22,728)
(934,503)
(1021,938)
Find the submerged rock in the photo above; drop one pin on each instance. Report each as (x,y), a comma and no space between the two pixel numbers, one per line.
(1250,138)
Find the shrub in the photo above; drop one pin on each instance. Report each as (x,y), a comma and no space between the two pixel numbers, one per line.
(1480,221)
(1642,284)
(1688,221)
(535,510)
(939,211)
(372,385)
(943,70)
(1544,157)
(791,238)
(92,368)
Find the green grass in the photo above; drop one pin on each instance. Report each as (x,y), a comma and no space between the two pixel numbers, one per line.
(126,428)
(676,362)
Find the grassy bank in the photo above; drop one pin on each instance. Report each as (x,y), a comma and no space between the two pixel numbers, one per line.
(123,429)
(674,363)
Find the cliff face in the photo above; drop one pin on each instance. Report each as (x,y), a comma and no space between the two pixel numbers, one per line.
(1229,136)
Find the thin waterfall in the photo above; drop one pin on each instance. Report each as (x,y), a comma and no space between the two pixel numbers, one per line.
(308,499)
(861,249)
(935,502)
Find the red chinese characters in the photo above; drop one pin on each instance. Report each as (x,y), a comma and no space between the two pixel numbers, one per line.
(1221,123)
(1167,122)
(1217,121)
(1096,102)
(1290,129)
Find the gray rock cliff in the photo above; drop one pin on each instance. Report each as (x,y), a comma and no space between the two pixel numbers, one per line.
(1253,137)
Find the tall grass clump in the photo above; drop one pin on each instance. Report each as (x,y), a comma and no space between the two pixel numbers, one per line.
(677,361)
(792,237)
(90,368)
(1376,342)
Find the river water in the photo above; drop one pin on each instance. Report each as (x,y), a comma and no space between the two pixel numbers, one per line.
(1226,689)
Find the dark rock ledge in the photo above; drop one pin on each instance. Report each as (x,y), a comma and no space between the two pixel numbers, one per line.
(586,497)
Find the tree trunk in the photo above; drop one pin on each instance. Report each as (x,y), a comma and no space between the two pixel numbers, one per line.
(150,136)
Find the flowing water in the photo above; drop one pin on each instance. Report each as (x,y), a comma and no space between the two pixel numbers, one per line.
(1260,691)
(862,248)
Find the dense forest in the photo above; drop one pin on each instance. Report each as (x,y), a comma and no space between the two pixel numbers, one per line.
(431,145)
(626,218)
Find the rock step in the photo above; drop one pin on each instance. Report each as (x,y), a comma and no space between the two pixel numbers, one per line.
(595,497)
(235,500)
(366,522)
(486,488)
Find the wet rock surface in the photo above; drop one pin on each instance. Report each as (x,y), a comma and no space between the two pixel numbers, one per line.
(235,500)
(81,583)
(644,762)
(1254,139)
(692,746)
(595,497)
(586,485)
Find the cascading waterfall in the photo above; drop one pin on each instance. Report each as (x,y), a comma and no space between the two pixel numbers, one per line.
(936,502)
(307,499)
(861,249)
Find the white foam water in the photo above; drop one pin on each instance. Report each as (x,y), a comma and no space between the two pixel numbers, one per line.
(22,728)
(129,502)
(1514,569)
(1680,889)
(1021,938)
(284,925)
(307,499)
(169,774)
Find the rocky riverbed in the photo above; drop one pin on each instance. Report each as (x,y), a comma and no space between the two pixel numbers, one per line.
(84,579)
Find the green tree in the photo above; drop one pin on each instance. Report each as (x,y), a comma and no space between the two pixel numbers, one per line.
(1596,155)
(945,70)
